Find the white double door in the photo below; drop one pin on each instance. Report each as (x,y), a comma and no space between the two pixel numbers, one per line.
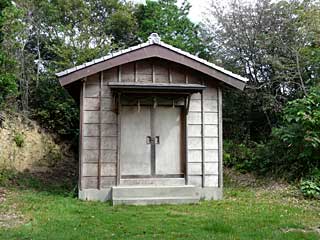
(150,141)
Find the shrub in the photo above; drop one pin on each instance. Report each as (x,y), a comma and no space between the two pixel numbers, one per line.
(310,186)
(238,156)
(310,189)
(19,139)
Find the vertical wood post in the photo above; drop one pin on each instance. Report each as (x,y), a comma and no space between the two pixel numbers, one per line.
(186,103)
(202,141)
(100,130)
(119,73)
(118,138)
(220,127)
(153,73)
(82,95)
(135,72)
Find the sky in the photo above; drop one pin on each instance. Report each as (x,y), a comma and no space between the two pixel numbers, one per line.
(197,7)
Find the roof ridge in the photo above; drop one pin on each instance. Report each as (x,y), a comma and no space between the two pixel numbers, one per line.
(153,39)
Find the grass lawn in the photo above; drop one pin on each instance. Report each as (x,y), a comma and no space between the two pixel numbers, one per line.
(245,213)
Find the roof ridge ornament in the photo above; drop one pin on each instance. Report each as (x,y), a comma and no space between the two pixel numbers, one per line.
(154,38)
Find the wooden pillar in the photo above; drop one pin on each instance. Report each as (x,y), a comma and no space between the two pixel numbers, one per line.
(82,95)
(100,130)
(186,103)
(202,141)
(118,138)
(220,135)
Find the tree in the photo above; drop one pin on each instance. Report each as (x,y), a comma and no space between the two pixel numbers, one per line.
(8,86)
(265,42)
(45,37)
(171,23)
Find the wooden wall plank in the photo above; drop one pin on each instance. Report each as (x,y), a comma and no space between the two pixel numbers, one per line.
(91,116)
(211,130)
(211,155)
(110,75)
(92,91)
(212,181)
(93,79)
(211,118)
(211,143)
(91,104)
(195,168)
(109,117)
(194,143)
(194,156)
(109,169)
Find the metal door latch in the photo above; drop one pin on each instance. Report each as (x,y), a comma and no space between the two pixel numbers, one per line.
(151,140)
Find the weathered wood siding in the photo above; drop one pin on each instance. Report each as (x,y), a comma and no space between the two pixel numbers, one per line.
(99,123)
(99,133)
(203,138)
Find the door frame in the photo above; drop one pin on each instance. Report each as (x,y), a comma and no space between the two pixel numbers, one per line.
(183,143)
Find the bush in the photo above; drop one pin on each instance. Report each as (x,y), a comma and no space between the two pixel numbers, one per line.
(19,139)
(238,156)
(293,149)
(310,189)
(310,186)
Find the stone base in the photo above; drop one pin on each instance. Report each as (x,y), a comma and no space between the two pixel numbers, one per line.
(207,193)
(210,193)
(95,194)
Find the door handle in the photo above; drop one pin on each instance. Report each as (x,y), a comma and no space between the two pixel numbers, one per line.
(157,140)
(149,140)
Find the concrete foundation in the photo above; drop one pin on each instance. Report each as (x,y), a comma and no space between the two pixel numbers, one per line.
(143,195)
(102,195)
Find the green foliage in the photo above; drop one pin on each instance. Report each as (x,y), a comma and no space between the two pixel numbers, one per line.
(19,139)
(44,37)
(8,86)
(171,23)
(6,175)
(238,156)
(298,137)
(310,189)
(55,109)
(276,46)
(310,186)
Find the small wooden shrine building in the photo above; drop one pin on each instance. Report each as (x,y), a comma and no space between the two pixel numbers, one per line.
(150,125)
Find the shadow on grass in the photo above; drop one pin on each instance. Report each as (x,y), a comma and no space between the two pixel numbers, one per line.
(55,182)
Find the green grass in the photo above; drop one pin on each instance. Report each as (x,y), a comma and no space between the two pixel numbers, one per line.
(245,213)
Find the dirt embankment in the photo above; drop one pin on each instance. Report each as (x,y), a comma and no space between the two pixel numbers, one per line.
(25,146)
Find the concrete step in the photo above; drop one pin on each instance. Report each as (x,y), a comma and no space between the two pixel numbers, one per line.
(142,195)
(154,201)
(153,181)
